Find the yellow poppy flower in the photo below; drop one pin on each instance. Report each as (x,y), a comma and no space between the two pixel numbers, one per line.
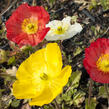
(41,77)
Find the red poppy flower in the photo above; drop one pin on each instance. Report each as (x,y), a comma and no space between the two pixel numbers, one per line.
(26,26)
(96,60)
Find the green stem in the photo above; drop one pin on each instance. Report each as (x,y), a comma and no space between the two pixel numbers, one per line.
(106,89)
(90,91)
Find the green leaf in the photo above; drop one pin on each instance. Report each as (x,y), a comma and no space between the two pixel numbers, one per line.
(93,28)
(102,92)
(6,100)
(11,60)
(92,105)
(78,51)
(78,97)
(67,96)
(51,1)
(69,58)
(94,3)
(48,107)
(27,49)
(105,4)
(2,90)
(15,103)
(1,31)
(3,56)
(73,84)
(75,78)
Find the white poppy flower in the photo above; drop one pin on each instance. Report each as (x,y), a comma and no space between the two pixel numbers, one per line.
(61,30)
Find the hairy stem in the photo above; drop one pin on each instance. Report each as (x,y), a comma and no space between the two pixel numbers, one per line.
(90,91)
(106,89)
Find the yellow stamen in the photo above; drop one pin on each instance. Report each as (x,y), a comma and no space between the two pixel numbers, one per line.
(103,63)
(43,76)
(60,30)
(30,26)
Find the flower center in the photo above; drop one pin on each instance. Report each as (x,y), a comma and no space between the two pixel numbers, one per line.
(43,76)
(30,26)
(103,63)
(60,30)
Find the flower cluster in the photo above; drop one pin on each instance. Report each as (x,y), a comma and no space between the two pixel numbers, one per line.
(41,75)
(28,26)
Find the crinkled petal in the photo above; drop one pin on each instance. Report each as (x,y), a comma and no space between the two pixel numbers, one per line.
(65,74)
(33,65)
(51,35)
(41,34)
(54,24)
(59,82)
(13,24)
(53,58)
(40,12)
(21,39)
(28,76)
(54,37)
(54,89)
(44,98)
(99,76)
(26,89)
(67,20)
(73,30)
